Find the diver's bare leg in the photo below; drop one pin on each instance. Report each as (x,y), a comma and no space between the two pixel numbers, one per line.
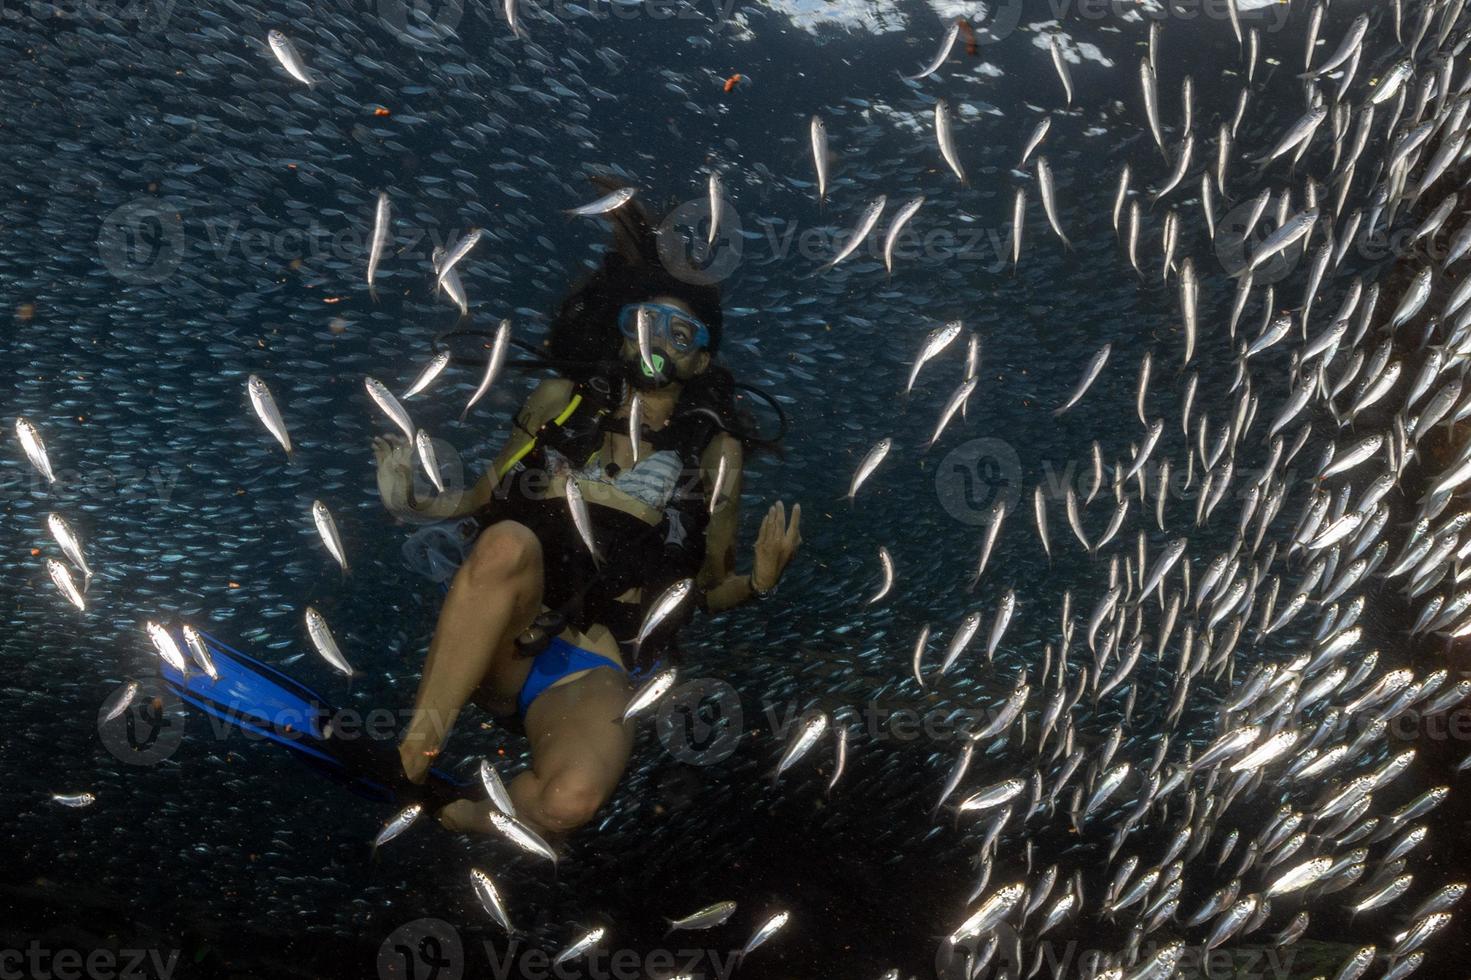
(579,749)
(495,595)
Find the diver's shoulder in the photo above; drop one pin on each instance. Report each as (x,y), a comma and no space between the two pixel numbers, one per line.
(551,392)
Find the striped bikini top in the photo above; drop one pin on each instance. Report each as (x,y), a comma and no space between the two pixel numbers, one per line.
(652,480)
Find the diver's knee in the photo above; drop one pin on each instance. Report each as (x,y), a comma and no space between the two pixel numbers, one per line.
(568,801)
(505,551)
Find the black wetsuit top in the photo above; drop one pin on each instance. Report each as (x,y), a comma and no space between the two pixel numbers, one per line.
(635,554)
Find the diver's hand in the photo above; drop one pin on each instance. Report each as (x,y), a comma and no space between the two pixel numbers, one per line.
(776,543)
(395,472)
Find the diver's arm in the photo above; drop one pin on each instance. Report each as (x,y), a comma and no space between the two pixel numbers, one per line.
(546,400)
(723,587)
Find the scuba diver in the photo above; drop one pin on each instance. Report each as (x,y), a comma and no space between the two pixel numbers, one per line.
(539,621)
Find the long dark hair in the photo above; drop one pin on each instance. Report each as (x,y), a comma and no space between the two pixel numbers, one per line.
(584,337)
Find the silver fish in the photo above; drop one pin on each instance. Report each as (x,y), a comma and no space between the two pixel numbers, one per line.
(1060,63)
(706,918)
(382,223)
(581,519)
(807,736)
(1049,201)
(390,406)
(1003,618)
(35,448)
(818,133)
(74,800)
(500,797)
(871,461)
(199,650)
(326,645)
(768,929)
(713,193)
(1090,375)
(584,943)
(860,234)
(424,445)
(490,898)
(895,227)
(327,529)
(71,545)
(289,57)
(167,649)
(62,577)
(945,136)
(1035,140)
(521,835)
(1299,876)
(934,344)
(889,574)
(269,414)
(119,701)
(431,371)
(493,366)
(967,631)
(609,202)
(952,406)
(400,823)
(652,690)
(667,602)
(1283,238)
(946,44)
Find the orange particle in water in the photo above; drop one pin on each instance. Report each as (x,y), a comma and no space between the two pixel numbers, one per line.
(733,81)
(35,552)
(380,111)
(234,585)
(25,311)
(331,299)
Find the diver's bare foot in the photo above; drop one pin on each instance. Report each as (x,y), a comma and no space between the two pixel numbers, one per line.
(466,817)
(415,762)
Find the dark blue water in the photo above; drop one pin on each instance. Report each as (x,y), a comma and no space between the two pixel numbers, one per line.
(132,352)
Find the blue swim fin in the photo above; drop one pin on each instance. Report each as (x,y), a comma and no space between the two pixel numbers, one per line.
(262,700)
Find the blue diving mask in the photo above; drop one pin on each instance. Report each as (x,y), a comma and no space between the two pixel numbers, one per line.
(669,324)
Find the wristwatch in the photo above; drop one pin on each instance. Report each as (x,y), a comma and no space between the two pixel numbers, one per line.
(757,593)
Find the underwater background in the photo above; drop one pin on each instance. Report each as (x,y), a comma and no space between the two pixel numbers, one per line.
(178,214)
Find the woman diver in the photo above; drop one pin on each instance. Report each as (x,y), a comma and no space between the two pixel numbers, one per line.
(535,625)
